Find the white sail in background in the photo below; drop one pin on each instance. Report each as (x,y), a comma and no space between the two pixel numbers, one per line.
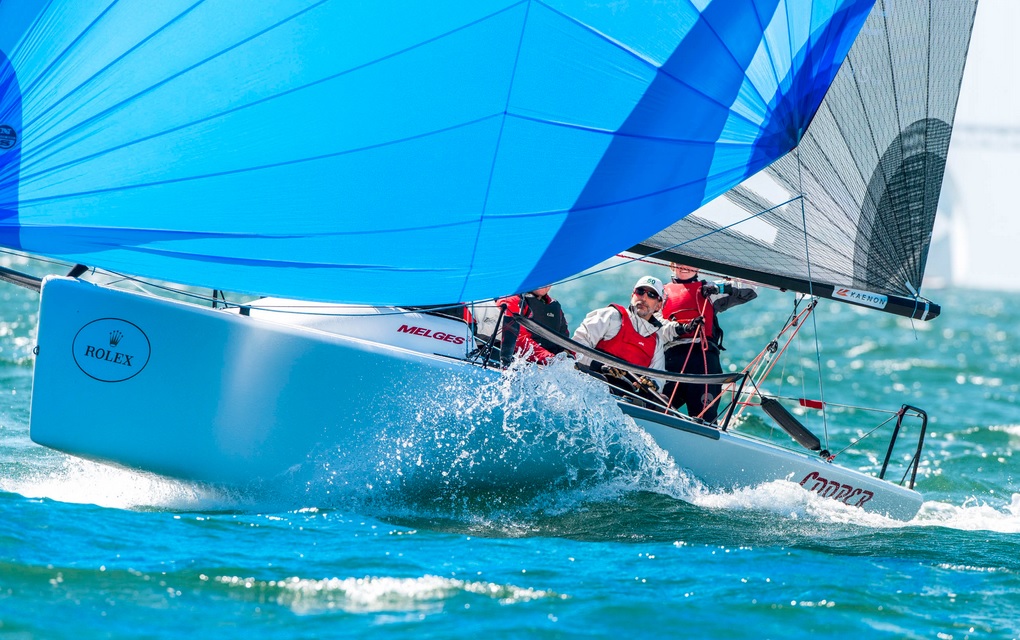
(985,156)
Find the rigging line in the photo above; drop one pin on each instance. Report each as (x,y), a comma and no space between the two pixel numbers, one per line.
(857,407)
(701,329)
(841,211)
(913,263)
(20,254)
(796,322)
(495,151)
(917,301)
(777,358)
(179,234)
(642,258)
(726,145)
(398,311)
(721,229)
(766,364)
(761,366)
(858,440)
(814,320)
(870,126)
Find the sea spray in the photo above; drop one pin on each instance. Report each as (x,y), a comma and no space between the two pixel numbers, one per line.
(531,438)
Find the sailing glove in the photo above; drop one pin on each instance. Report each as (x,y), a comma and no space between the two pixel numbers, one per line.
(648,383)
(710,289)
(693,325)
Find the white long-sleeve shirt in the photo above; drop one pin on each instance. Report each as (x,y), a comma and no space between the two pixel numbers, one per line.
(604,323)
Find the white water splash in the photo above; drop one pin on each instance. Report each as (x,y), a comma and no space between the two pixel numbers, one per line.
(426,594)
(546,434)
(791,500)
(78,481)
(973,515)
(1013,430)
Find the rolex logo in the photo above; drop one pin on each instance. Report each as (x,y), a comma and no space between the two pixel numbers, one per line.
(111,350)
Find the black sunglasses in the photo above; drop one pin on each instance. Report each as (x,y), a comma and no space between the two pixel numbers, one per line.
(650,293)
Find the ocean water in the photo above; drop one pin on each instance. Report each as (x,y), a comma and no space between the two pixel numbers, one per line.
(620,542)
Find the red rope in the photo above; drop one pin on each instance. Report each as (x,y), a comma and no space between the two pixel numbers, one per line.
(700,336)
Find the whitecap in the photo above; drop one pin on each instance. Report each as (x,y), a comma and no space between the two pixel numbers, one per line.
(972,515)
(790,500)
(377,594)
(74,480)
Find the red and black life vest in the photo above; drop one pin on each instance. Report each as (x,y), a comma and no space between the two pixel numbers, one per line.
(685,302)
(628,344)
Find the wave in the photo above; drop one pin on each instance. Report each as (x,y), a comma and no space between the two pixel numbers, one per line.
(973,515)
(371,594)
(74,480)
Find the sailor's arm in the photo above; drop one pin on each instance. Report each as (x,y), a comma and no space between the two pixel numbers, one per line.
(671,330)
(729,296)
(659,363)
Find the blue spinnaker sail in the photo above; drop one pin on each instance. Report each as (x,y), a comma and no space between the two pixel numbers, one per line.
(393,151)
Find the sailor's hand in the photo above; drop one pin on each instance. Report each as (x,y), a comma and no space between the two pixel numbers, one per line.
(648,383)
(693,325)
(710,288)
(613,372)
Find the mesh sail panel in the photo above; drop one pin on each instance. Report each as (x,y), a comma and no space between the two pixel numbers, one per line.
(852,208)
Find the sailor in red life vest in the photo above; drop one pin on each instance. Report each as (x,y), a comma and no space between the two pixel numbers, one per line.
(687,298)
(539,306)
(632,334)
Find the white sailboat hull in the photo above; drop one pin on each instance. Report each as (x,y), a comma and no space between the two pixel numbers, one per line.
(212,396)
(219,397)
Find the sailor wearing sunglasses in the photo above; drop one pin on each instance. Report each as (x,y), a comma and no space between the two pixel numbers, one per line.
(632,334)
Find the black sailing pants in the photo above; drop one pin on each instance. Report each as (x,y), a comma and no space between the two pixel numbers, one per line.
(695,396)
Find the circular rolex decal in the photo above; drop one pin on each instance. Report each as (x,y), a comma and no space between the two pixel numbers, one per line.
(110,350)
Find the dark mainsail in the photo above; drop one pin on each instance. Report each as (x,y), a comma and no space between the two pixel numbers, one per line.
(849,213)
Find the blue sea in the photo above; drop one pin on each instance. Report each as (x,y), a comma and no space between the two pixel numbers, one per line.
(622,543)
